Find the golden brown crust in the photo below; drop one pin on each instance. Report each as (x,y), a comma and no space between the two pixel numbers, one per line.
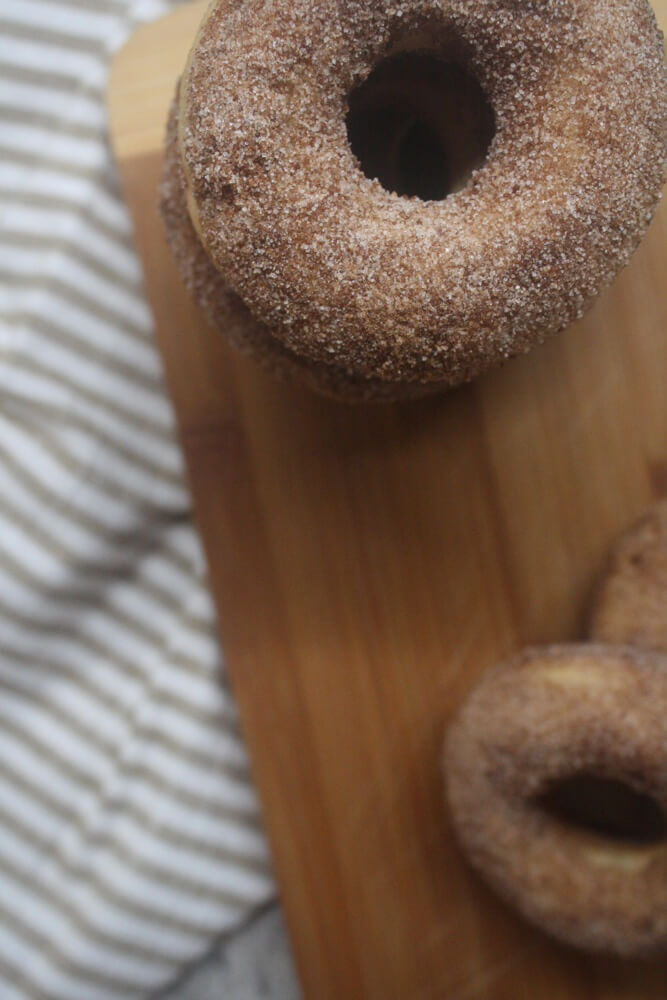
(398,289)
(630,604)
(549,715)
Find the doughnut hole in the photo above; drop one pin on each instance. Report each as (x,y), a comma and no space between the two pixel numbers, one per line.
(606,807)
(420,125)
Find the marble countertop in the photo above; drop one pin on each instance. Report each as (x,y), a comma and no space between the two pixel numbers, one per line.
(252,964)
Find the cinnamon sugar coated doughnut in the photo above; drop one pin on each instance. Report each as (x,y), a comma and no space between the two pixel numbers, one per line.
(377,291)
(630,605)
(556,776)
(226,310)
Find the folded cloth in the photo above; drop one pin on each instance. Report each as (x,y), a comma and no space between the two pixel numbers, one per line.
(129,830)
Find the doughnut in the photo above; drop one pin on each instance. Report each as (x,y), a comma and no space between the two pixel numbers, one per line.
(556,776)
(226,310)
(630,603)
(408,194)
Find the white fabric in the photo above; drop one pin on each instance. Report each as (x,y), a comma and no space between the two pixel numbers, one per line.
(129,830)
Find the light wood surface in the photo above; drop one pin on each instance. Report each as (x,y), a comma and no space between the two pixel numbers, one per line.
(368,563)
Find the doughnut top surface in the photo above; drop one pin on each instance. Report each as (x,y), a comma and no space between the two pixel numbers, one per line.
(343,271)
(593,715)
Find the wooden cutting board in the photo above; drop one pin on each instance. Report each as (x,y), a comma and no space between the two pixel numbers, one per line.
(368,563)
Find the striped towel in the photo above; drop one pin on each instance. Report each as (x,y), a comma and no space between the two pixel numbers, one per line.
(129,830)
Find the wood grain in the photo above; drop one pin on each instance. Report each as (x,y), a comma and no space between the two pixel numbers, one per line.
(368,563)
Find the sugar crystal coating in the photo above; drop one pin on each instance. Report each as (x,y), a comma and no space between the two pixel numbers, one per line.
(226,310)
(547,716)
(343,272)
(630,605)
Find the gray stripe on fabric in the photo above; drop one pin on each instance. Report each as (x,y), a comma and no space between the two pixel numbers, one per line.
(74,596)
(140,540)
(45,120)
(207,762)
(15,976)
(30,160)
(71,247)
(51,79)
(124,945)
(91,734)
(132,859)
(89,594)
(240,817)
(86,303)
(104,890)
(210,763)
(217,716)
(78,345)
(17,409)
(136,542)
(127,666)
(28,31)
(118,8)
(95,979)
(84,208)
(129,417)
(102,887)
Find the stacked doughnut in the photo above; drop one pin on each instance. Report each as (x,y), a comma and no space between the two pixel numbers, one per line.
(294,200)
(556,766)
